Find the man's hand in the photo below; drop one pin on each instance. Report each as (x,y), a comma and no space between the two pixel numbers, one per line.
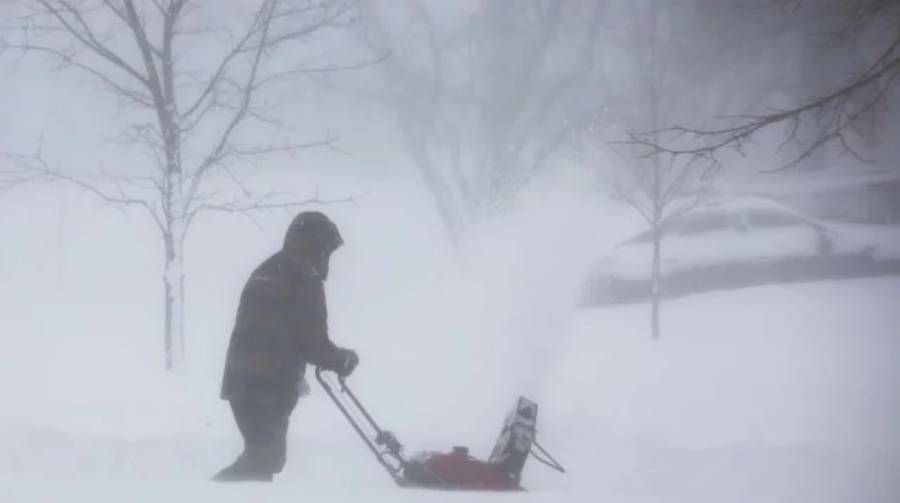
(347,360)
(303,387)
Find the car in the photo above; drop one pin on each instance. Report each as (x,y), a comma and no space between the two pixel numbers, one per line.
(743,242)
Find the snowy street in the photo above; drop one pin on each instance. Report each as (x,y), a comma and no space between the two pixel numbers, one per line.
(654,242)
(778,397)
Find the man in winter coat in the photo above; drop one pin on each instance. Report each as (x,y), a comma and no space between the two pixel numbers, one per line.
(281,326)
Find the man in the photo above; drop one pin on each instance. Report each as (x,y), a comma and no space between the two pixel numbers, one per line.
(281,326)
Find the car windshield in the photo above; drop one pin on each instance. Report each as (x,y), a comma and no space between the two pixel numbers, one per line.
(708,222)
(644,237)
(773,219)
(693,224)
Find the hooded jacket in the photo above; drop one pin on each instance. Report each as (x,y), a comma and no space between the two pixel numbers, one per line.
(281,325)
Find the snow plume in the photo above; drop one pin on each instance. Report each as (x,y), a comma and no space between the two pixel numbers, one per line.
(460,334)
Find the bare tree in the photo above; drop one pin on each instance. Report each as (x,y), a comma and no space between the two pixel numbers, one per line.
(660,74)
(661,189)
(482,98)
(190,120)
(835,115)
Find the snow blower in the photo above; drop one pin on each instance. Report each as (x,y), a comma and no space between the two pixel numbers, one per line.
(454,470)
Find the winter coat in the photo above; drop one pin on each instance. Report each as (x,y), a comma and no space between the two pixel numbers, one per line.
(281,325)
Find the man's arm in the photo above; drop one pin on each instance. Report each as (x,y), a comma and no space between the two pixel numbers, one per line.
(311,328)
(255,353)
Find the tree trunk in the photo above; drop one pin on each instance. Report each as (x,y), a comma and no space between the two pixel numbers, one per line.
(655,281)
(173,235)
(60,240)
(173,282)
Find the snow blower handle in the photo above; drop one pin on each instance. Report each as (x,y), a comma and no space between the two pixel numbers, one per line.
(389,441)
(545,458)
(383,444)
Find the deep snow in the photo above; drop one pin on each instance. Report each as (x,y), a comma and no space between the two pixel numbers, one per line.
(779,393)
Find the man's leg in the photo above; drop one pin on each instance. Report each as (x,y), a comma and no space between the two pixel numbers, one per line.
(245,413)
(281,417)
(263,422)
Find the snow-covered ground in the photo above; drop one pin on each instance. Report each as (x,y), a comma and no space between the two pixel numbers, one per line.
(780,393)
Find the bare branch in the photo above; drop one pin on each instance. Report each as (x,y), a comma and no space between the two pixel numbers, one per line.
(67,58)
(264,202)
(217,76)
(75,24)
(322,69)
(117,10)
(281,148)
(36,167)
(153,79)
(265,14)
(330,19)
(264,19)
(238,206)
(834,114)
(15,175)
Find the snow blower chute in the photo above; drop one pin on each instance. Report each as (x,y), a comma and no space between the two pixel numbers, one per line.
(450,470)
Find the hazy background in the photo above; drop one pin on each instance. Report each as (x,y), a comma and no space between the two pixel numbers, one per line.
(481,156)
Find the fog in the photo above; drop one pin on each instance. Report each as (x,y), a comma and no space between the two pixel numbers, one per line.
(675,226)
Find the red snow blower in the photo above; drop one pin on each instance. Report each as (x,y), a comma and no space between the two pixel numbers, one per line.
(451,470)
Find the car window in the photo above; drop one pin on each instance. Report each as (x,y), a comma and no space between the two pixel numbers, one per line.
(773,219)
(644,237)
(712,222)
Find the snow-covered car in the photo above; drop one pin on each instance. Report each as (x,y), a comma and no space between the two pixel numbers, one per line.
(744,242)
